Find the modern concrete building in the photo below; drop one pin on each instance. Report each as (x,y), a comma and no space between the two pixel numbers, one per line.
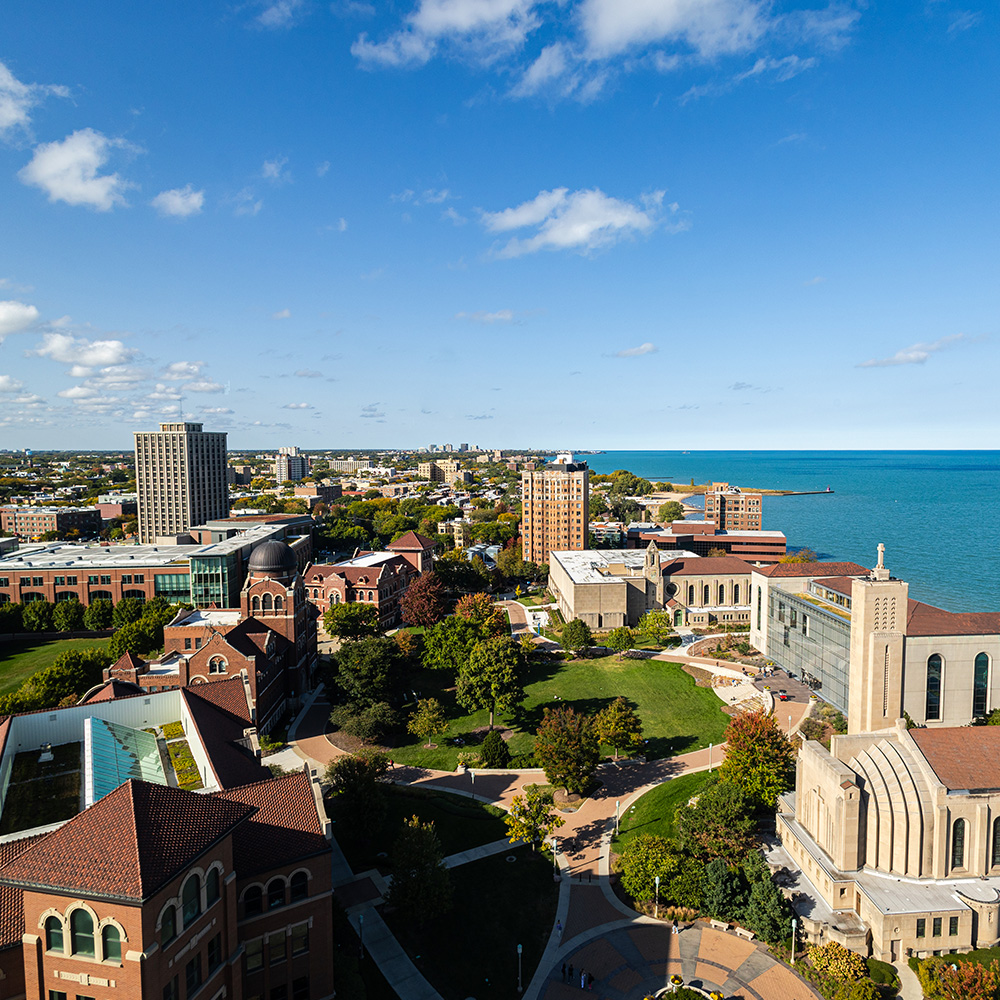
(181,479)
(702,537)
(555,508)
(732,509)
(290,465)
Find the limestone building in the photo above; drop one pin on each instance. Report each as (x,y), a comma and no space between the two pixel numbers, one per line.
(555,508)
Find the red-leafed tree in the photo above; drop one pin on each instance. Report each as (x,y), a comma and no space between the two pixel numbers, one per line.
(759,757)
(424,601)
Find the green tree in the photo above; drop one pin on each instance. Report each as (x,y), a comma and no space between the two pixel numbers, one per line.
(624,483)
(72,674)
(480,609)
(724,890)
(800,556)
(359,789)
(448,645)
(369,671)
(566,748)
(655,626)
(354,620)
(493,678)
(670,511)
(531,818)
(718,824)
(766,913)
(619,639)
(576,636)
(865,989)
(371,723)
(643,858)
(140,637)
(428,720)
(495,752)
(618,725)
(421,885)
(759,757)
(127,610)
(36,616)
(424,601)
(685,886)
(67,616)
(98,615)
(10,617)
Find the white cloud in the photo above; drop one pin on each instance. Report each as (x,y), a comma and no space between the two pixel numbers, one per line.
(322,168)
(83,354)
(78,392)
(307,373)
(247,202)
(15,316)
(274,170)
(964,20)
(637,352)
(342,225)
(452,216)
(10,384)
(282,314)
(279,13)
(69,170)
(297,406)
(916,354)
(781,69)
(551,64)
(17,99)
(179,202)
(484,29)
(180,370)
(216,410)
(578,220)
(204,385)
(500,316)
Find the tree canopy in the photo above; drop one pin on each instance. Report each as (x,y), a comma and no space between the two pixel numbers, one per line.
(369,671)
(759,759)
(493,677)
(566,747)
(353,620)
(619,726)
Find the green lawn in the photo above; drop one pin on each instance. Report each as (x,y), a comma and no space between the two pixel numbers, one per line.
(654,812)
(471,951)
(677,716)
(21,658)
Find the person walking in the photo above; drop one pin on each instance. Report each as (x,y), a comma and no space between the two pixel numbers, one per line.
(675,929)
(590,981)
(583,980)
(564,972)
(558,930)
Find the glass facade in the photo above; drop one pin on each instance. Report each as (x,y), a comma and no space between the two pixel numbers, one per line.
(979,684)
(115,753)
(215,580)
(173,586)
(814,644)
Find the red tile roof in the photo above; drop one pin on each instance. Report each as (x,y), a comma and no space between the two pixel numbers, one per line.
(229,695)
(112,689)
(411,540)
(813,569)
(707,566)
(285,827)
(128,661)
(964,757)
(925,619)
(12,898)
(220,732)
(128,845)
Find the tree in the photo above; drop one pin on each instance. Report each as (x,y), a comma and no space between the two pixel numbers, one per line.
(840,963)
(448,645)
(357,780)
(370,724)
(495,752)
(625,483)
(72,674)
(36,616)
(670,511)
(718,824)
(369,671)
(759,757)
(766,912)
(354,620)
(801,556)
(566,748)
(724,890)
(493,677)
(618,725)
(576,636)
(531,818)
(421,885)
(424,600)
(139,637)
(619,639)
(655,626)
(480,609)
(98,615)
(68,616)
(865,989)
(643,858)
(969,981)
(10,617)
(428,720)
(127,610)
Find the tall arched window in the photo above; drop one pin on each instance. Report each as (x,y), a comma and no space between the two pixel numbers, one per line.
(212,892)
(691,593)
(53,934)
(722,593)
(191,899)
(958,844)
(255,603)
(996,842)
(300,886)
(705,598)
(933,705)
(275,893)
(252,901)
(736,593)
(980,677)
(81,933)
(111,944)
(168,925)
(278,603)
(265,602)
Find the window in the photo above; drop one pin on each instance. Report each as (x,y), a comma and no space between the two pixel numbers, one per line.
(215,952)
(266,602)
(794,618)
(255,955)
(932,709)
(805,624)
(736,593)
(276,948)
(275,893)
(212,886)
(187,643)
(781,611)
(111,944)
(980,676)
(300,886)
(106,581)
(278,603)
(996,842)
(54,934)
(691,594)
(958,844)
(705,594)
(217,665)
(171,991)
(126,578)
(255,604)
(191,899)
(81,933)
(57,995)
(192,974)
(168,925)
(722,593)
(937,927)
(921,927)
(300,939)
(952,926)
(300,988)
(197,643)
(279,993)
(252,901)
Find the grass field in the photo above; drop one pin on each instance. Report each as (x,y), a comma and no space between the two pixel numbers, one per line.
(676,715)
(21,658)
(654,812)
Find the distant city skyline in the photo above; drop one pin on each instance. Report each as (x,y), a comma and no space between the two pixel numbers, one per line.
(599,223)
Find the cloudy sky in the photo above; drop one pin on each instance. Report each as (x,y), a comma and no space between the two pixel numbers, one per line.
(585,223)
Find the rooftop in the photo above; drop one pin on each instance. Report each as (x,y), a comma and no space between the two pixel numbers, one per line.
(965,758)
(594,565)
(812,569)
(209,617)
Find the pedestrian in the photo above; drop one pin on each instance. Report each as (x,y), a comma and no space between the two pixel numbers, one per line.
(590,981)
(569,975)
(564,972)
(583,980)
(559,930)
(675,929)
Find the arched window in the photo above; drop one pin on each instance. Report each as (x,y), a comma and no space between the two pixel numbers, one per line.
(255,603)
(111,944)
(736,593)
(335,599)
(278,603)
(212,891)
(265,602)
(275,893)
(191,899)
(980,678)
(705,594)
(691,593)
(722,593)
(933,705)
(81,933)
(217,665)
(300,886)
(958,844)
(53,934)
(996,842)
(168,925)
(252,901)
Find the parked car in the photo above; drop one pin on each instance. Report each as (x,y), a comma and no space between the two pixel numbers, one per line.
(782,695)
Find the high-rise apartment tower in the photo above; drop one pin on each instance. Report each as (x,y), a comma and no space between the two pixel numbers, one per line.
(732,509)
(555,508)
(180,479)
(290,465)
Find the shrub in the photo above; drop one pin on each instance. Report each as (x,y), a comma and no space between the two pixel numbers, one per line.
(370,724)
(494,750)
(882,973)
(861,989)
(833,959)
(643,858)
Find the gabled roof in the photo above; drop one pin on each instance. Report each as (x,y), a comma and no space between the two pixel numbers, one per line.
(963,757)
(284,828)
(707,566)
(110,690)
(128,661)
(812,569)
(228,695)
(128,845)
(12,898)
(925,619)
(411,540)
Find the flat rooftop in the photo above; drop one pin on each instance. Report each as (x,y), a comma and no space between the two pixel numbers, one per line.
(594,565)
(210,617)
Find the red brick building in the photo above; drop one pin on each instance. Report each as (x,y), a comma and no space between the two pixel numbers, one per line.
(28,523)
(702,537)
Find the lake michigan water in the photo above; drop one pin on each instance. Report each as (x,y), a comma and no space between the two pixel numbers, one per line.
(938,512)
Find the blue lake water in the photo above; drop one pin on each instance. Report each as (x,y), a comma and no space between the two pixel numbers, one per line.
(938,512)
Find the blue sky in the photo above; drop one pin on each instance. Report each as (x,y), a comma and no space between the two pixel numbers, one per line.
(581,223)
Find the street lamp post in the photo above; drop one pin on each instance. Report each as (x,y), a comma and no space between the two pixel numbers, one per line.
(472,775)
(656,909)
(618,802)
(794,925)
(519,989)
(710,756)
